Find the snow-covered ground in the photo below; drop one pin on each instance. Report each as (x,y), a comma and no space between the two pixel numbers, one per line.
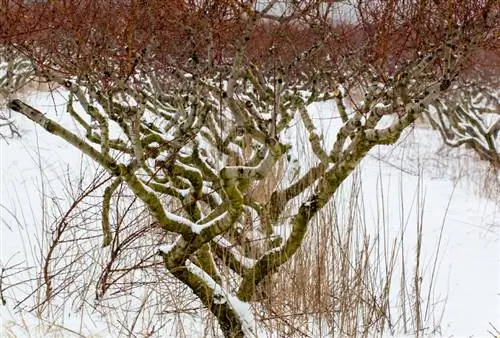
(464,225)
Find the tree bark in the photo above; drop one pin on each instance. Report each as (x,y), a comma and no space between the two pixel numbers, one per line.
(229,321)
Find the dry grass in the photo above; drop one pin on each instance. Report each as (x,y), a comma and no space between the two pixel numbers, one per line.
(464,166)
(475,174)
(349,279)
(352,277)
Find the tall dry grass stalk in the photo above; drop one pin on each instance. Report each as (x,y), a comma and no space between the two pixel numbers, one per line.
(353,276)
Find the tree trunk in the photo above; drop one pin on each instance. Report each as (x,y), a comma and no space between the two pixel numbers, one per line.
(229,321)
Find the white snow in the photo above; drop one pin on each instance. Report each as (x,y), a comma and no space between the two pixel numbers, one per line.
(166,248)
(245,261)
(198,228)
(221,295)
(386,121)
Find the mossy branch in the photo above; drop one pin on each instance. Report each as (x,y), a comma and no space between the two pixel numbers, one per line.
(108,193)
(56,129)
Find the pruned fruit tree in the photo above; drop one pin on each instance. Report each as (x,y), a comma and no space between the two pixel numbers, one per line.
(186,104)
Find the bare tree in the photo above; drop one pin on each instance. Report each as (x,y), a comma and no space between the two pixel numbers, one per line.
(469,114)
(470,117)
(186,105)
